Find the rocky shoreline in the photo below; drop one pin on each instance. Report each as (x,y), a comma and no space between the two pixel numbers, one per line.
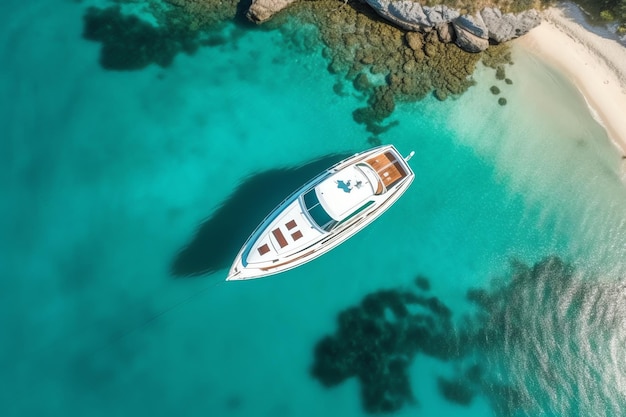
(390,52)
(470,32)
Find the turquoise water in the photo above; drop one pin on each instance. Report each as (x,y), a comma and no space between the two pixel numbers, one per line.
(115,183)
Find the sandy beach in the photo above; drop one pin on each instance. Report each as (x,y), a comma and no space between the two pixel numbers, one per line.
(596,65)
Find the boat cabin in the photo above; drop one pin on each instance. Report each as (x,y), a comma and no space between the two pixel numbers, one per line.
(352,189)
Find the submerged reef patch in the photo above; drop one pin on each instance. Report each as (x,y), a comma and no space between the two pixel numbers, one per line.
(129,43)
(401,65)
(380,63)
(176,26)
(498,57)
(198,15)
(524,347)
(456,391)
(376,342)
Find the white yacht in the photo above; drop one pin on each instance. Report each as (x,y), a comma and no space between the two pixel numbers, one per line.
(324,212)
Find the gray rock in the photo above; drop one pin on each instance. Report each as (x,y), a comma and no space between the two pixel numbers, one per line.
(440,14)
(445,32)
(470,32)
(503,28)
(263,10)
(414,40)
(408,14)
(473,24)
(412,15)
(467,41)
(526,21)
(405,14)
(490,15)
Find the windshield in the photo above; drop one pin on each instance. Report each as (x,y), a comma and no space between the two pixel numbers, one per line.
(317,212)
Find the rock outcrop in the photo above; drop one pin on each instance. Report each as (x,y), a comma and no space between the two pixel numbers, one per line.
(411,15)
(471,33)
(263,10)
(505,27)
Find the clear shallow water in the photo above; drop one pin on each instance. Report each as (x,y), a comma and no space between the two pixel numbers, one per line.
(109,175)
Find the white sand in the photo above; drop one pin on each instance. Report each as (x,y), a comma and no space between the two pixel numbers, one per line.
(596,65)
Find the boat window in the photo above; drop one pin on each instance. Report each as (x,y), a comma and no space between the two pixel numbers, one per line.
(317,212)
(355,212)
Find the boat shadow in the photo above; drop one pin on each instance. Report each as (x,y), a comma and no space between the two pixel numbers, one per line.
(219,238)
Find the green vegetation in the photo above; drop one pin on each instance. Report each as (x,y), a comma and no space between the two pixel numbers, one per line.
(602,11)
(472,6)
(599,10)
(606,15)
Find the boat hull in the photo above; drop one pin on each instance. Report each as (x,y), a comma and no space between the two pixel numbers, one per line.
(310,241)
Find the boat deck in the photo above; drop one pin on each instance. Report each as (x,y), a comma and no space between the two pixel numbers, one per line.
(388,168)
(324,213)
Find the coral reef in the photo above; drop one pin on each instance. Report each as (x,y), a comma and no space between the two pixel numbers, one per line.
(456,391)
(399,65)
(203,14)
(376,342)
(384,64)
(471,32)
(129,43)
(422,283)
(531,336)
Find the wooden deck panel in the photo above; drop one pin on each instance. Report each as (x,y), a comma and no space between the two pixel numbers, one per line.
(387,167)
(278,234)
